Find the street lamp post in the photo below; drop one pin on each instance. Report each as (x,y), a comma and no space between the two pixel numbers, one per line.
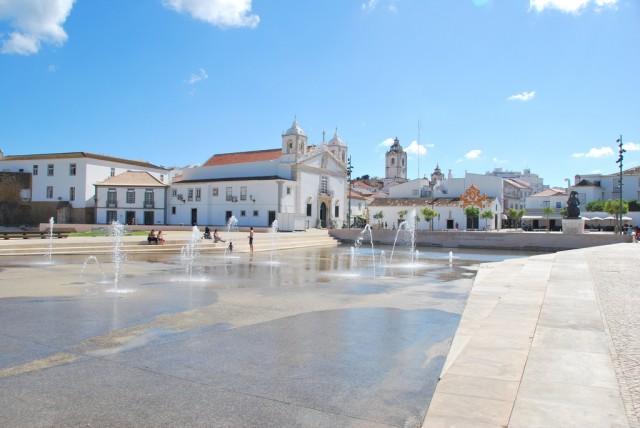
(349,170)
(620,151)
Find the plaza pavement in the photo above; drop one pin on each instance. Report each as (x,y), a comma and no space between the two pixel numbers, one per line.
(547,341)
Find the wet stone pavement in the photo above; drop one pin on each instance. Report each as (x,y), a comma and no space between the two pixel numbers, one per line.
(296,338)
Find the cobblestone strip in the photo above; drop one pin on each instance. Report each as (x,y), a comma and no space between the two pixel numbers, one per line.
(616,276)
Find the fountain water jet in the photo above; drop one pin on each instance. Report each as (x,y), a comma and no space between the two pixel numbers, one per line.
(358,243)
(191,250)
(274,237)
(93,259)
(409,226)
(119,257)
(48,255)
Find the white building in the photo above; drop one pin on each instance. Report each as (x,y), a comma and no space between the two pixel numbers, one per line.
(133,197)
(610,184)
(62,184)
(298,185)
(395,171)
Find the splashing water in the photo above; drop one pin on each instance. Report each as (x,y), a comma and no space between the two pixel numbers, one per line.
(191,250)
(409,226)
(358,243)
(93,259)
(48,255)
(274,238)
(118,256)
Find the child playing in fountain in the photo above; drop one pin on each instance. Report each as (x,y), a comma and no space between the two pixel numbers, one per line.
(160,238)
(216,237)
(152,237)
(230,247)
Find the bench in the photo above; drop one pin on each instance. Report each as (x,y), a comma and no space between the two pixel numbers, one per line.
(27,235)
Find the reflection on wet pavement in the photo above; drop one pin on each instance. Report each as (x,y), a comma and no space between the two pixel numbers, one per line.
(314,330)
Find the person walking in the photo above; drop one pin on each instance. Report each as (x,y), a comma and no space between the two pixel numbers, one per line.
(251,239)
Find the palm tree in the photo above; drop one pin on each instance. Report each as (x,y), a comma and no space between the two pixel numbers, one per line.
(547,211)
(429,214)
(486,215)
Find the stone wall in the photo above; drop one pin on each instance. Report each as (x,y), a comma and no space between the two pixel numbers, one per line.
(523,241)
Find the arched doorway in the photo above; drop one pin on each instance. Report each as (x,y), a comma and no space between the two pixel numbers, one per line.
(323,215)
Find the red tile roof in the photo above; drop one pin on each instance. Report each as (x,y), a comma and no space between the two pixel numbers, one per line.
(243,157)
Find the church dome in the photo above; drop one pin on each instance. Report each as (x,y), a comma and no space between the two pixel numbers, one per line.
(336,140)
(295,129)
(396,147)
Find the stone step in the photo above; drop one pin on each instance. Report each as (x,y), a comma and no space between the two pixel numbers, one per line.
(89,246)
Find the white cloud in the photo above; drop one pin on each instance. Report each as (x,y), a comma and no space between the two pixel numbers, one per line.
(472,155)
(33,22)
(631,147)
(569,6)
(595,153)
(385,143)
(195,78)
(220,13)
(523,96)
(416,149)
(496,160)
(369,5)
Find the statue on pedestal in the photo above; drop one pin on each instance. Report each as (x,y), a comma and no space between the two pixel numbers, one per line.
(573,205)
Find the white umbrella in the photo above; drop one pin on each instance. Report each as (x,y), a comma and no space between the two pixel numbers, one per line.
(625,218)
(595,219)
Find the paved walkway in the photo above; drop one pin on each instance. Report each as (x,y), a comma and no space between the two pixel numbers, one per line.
(551,340)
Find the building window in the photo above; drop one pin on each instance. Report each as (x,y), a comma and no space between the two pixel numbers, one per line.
(113,172)
(173,210)
(49,192)
(112,198)
(288,190)
(243,213)
(337,211)
(229,193)
(35,170)
(131,196)
(72,169)
(308,210)
(255,213)
(189,194)
(174,192)
(558,204)
(50,169)
(148,198)
(214,191)
(162,177)
(243,193)
(324,185)
(112,216)
(393,161)
(198,194)
(72,193)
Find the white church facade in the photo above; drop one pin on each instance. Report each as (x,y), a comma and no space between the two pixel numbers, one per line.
(298,184)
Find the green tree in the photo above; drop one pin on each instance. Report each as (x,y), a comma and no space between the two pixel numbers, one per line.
(547,211)
(595,206)
(378,216)
(472,214)
(402,213)
(486,215)
(612,206)
(429,214)
(634,205)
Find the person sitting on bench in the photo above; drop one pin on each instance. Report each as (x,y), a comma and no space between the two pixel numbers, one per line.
(216,237)
(152,237)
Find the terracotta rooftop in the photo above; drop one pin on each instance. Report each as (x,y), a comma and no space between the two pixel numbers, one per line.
(133,178)
(243,157)
(553,191)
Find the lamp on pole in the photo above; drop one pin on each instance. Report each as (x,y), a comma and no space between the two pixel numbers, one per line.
(620,151)
(349,170)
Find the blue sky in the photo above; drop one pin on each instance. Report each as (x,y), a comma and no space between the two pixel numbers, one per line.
(542,84)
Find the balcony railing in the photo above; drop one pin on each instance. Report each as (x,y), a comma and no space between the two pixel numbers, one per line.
(112,204)
(327,192)
(148,204)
